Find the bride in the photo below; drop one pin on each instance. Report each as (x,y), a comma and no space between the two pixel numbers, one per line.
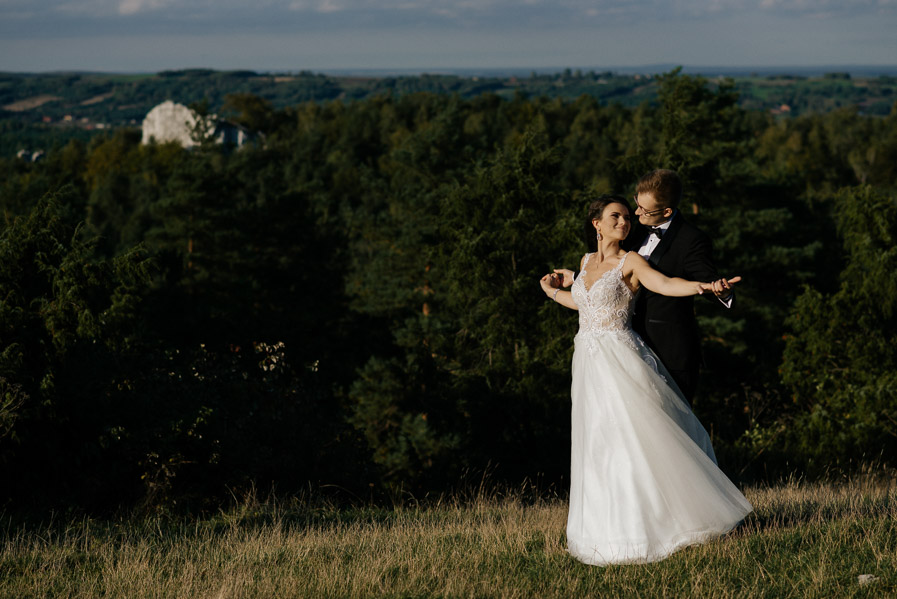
(643,476)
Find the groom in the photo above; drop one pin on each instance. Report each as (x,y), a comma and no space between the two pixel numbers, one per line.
(676,248)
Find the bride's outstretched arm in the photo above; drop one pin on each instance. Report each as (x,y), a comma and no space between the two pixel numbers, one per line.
(644,274)
(564,298)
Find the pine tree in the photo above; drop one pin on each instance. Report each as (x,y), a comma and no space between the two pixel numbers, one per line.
(840,361)
(65,320)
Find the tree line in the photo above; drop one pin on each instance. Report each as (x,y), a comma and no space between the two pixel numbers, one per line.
(43,111)
(352,301)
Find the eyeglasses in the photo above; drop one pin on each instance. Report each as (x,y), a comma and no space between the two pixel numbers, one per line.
(647,212)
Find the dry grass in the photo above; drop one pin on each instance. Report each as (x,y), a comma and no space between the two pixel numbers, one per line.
(802,541)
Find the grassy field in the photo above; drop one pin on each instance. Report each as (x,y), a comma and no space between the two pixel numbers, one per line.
(803,540)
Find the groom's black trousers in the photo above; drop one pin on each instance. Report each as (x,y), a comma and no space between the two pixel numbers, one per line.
(687,381)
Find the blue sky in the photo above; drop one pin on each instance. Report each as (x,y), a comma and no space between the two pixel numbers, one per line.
(318,35)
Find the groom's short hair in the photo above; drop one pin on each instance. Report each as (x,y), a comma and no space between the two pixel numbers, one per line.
(664,184)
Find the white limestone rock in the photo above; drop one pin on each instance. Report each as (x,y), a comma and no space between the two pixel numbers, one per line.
(170,121)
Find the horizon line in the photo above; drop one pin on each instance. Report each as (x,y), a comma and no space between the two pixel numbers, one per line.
(512,71)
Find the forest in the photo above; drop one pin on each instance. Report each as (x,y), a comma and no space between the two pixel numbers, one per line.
(40,111)
(350,303)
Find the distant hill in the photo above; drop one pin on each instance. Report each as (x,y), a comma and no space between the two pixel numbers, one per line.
(63,105)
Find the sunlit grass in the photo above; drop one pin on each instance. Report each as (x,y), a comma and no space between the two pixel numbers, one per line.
(803,540)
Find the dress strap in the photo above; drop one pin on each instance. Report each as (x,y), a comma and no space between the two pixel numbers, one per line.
(622,260)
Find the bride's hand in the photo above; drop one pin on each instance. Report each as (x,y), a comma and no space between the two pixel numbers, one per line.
(720,288)
(545,283)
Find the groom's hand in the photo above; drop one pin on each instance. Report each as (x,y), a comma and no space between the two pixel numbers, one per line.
(723,287)
(565,275)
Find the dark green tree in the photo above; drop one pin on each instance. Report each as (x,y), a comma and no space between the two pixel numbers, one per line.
(66,321)
(477,378)
(840,362)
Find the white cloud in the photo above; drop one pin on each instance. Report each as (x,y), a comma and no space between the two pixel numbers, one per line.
(79,8)
(132,7)
(489,20)
(329,6)
(828,7)
(482,13)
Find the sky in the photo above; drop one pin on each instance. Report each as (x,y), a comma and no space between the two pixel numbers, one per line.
(429,35)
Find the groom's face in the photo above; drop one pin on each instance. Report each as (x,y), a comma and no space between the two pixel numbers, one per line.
(649,212)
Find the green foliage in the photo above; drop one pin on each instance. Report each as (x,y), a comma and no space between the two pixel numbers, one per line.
(353,298)
(507,351)
(64,318)
(250,111)
(45,111)
(471,380)
(202,132)
(840,360)
(697,128)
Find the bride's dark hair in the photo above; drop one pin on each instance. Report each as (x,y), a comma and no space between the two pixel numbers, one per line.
(596,210)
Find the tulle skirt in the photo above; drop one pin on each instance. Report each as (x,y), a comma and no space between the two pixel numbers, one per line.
(644,479)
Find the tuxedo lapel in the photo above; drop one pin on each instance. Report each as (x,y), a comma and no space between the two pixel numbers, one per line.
(667,240)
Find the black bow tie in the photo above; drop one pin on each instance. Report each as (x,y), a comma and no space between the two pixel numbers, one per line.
(656,231)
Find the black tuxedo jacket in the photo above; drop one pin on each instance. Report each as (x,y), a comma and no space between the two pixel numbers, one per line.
(668,324)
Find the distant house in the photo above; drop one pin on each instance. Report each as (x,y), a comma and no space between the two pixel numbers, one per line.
(170,121)
(231,134)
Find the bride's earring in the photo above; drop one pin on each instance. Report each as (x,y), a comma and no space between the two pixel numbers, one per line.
(599,235)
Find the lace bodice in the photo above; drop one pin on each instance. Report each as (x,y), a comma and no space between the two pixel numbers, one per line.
(607,305)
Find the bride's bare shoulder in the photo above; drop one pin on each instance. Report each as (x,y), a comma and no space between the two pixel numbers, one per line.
(633,258)
(633,261)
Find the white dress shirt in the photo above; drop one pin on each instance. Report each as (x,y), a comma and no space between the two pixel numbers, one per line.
(651,241)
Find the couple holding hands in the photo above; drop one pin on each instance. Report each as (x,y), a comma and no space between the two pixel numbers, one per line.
(644,480)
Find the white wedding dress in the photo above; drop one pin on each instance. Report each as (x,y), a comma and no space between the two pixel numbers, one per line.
(643,476)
